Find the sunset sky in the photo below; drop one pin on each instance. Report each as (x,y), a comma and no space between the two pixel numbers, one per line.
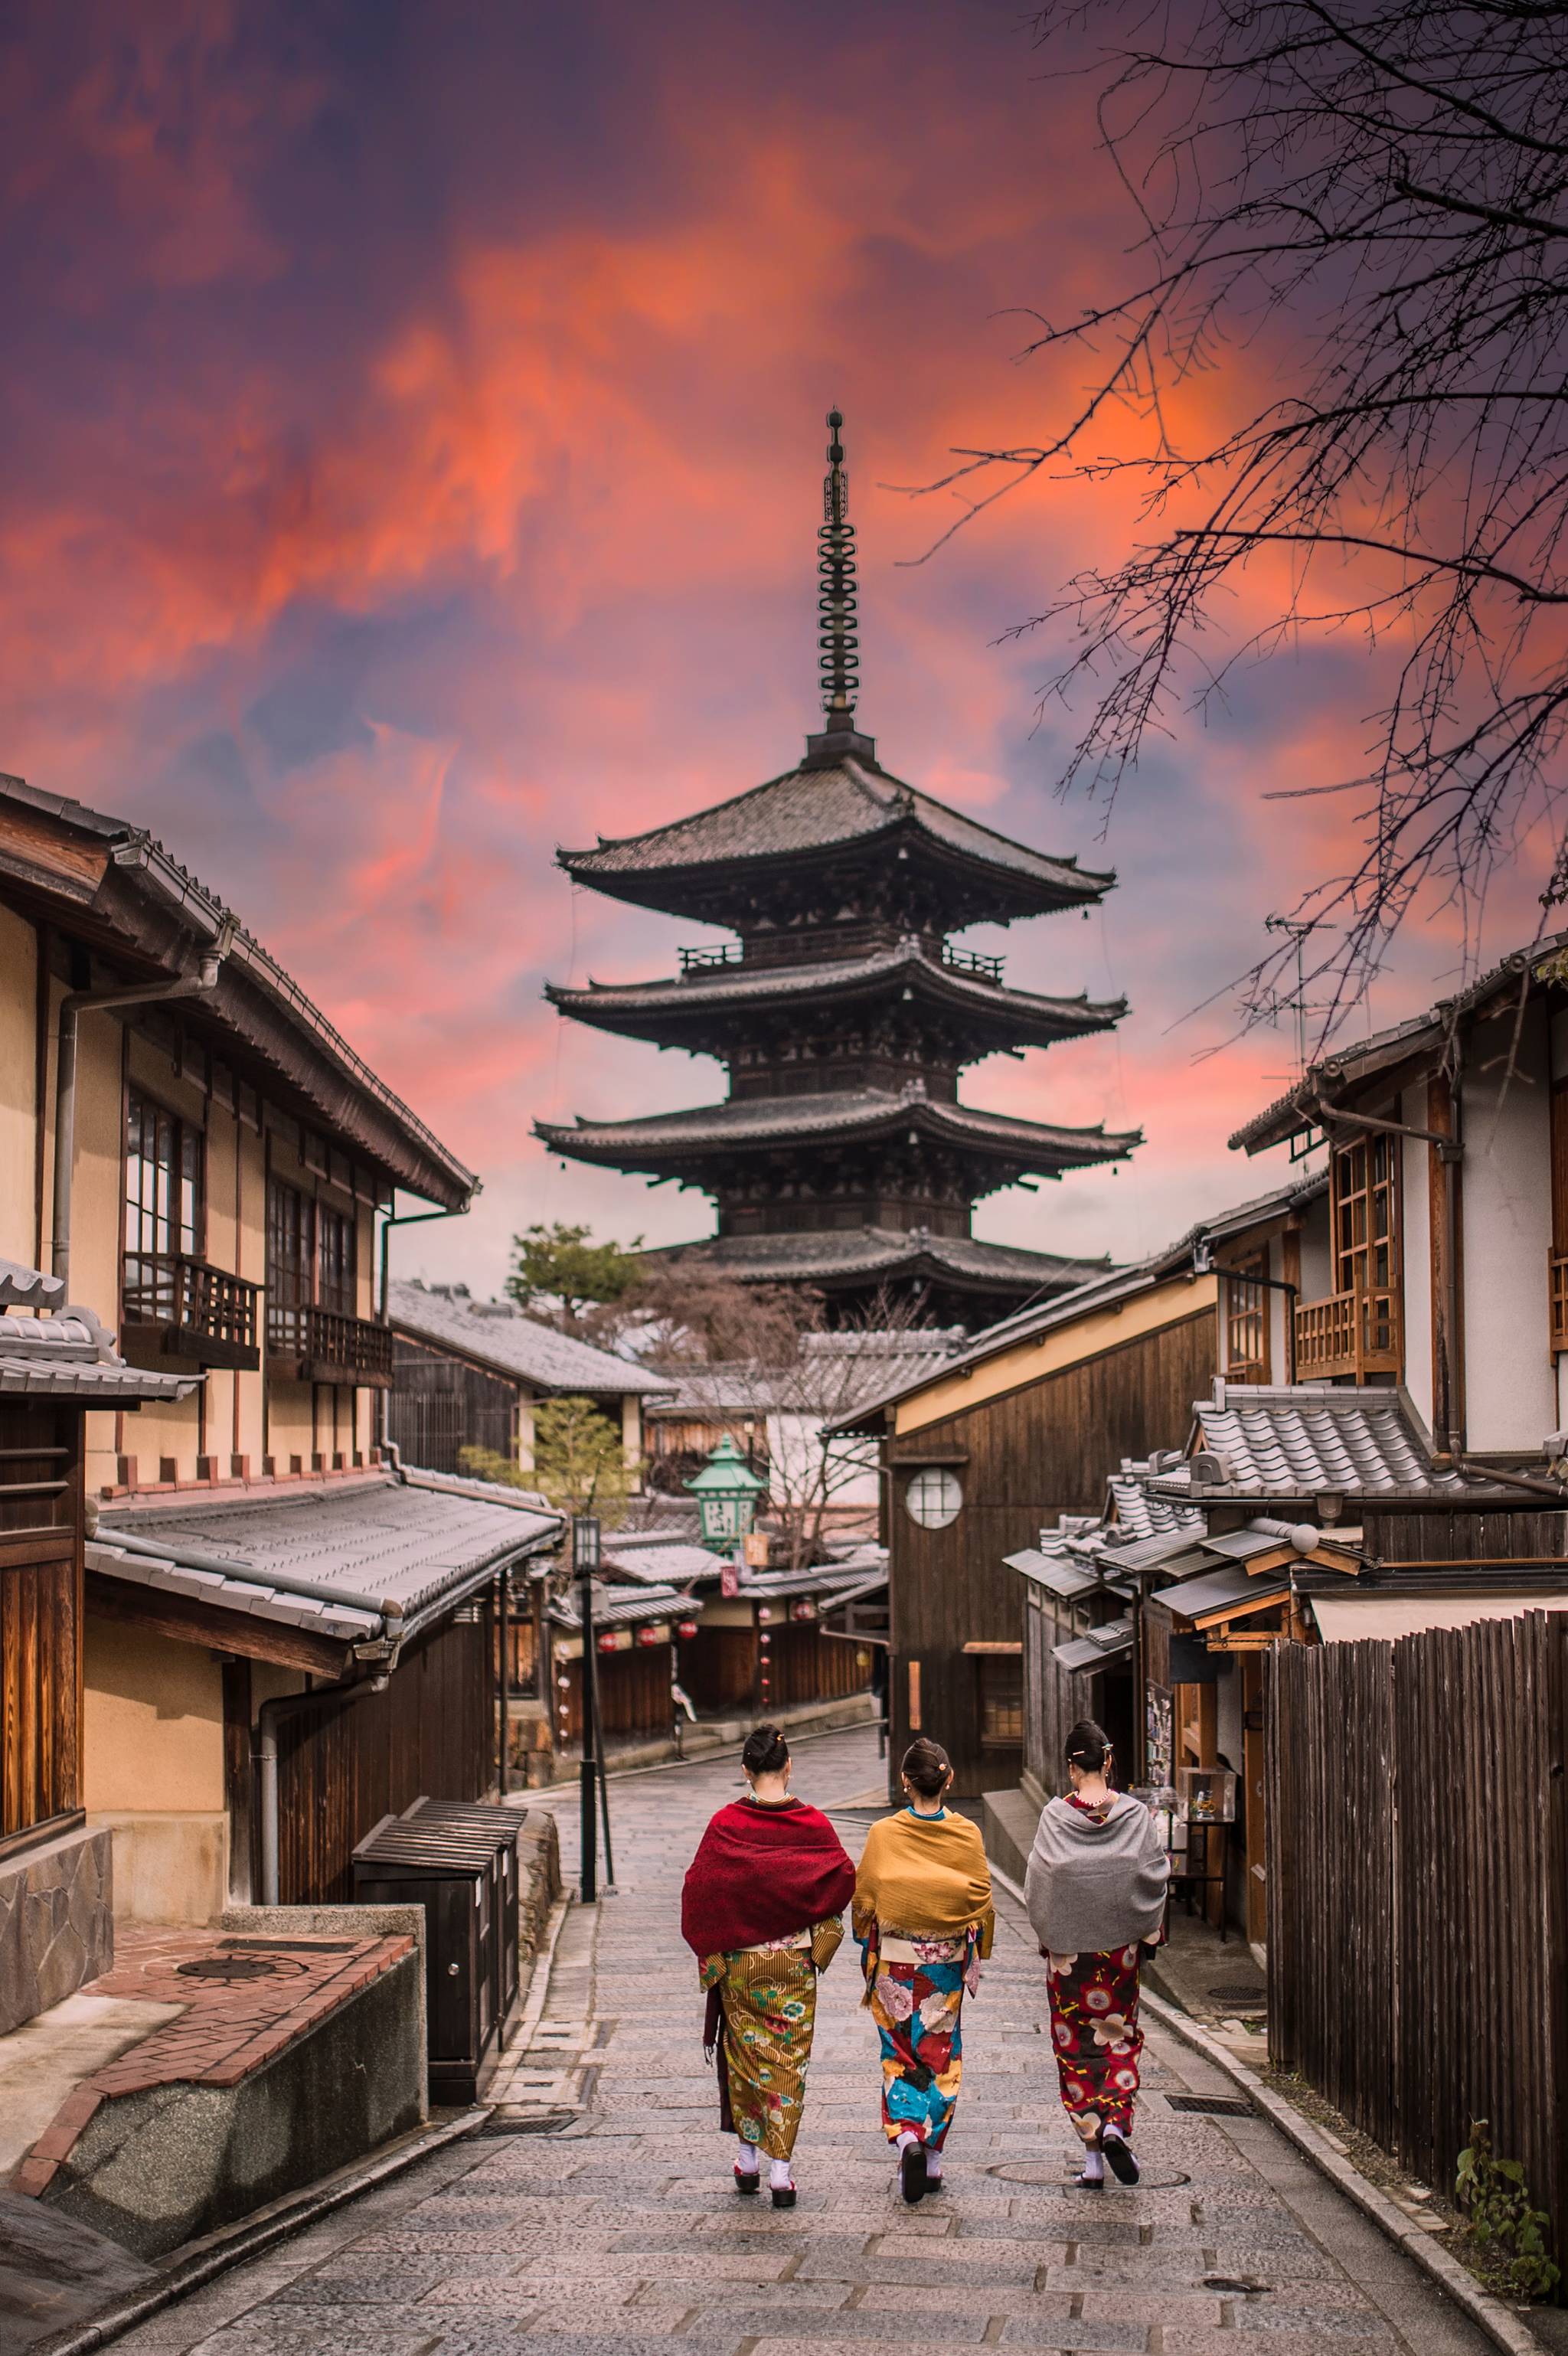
(414,435)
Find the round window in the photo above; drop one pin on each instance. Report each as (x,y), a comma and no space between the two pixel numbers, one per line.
(933,1497)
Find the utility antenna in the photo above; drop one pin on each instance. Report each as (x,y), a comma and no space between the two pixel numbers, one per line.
(838,661)
(1298,929)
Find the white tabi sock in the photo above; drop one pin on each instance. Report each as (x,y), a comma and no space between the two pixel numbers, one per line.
(934,2167)
(746,2160)
(1093,2167)
(779,2175)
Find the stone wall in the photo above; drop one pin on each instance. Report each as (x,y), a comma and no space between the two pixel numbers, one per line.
(57,1923)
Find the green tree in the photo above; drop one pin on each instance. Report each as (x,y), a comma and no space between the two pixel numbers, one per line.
(580,1461)
(560,1274)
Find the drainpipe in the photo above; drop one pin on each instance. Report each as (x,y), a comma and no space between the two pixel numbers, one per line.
(190,985)
(347,1690)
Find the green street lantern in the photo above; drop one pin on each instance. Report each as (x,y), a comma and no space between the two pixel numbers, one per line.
(727,1491)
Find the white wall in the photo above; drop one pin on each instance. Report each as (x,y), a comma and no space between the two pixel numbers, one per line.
(1511,1383)
(1316,1270)
(1416,1231)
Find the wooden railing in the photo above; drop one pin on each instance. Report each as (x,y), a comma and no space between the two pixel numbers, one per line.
(1355,1333)
(710,959)
(1557,1290)
(198,1311)
(323,1347)
(974,962)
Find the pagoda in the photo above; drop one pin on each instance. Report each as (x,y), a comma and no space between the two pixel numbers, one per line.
(842,1156)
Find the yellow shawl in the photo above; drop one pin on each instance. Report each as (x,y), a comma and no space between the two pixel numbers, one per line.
(926,1876)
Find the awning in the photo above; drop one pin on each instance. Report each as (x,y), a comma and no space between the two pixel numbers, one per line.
(1228,1594)
(1341,1619)
(1054,1572)
(1092,1651)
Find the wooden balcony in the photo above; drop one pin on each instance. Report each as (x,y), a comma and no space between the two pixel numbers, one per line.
(1355,1333)
(318,1345)
(1557,1293)
(177,1307)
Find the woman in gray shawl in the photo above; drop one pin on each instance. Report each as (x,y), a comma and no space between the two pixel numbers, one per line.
(1095,1890)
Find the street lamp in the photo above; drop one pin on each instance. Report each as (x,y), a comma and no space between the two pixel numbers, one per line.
(585,1561)
(727,1491)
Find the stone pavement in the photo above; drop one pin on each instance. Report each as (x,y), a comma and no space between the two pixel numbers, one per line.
(620,2236)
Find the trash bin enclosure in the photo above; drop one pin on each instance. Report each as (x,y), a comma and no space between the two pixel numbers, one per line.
(459,1861)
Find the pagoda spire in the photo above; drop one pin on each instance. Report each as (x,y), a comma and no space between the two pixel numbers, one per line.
(839,659)
(839,645)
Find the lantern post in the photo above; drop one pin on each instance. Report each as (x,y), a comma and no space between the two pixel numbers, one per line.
(585,1563)
(727,1492)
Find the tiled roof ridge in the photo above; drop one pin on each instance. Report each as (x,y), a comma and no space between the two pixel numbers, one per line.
(808,978)
(138,846)
(738,1120)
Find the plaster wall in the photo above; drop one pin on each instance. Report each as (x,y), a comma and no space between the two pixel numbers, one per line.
(1316,1260)
(153,1712)
(18,1087)
(1415,1230)
(1509,1381)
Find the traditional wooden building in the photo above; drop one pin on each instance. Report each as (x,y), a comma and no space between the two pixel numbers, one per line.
(187,1141)
(843,1157)
(470,1374)
(994,1447)
(55,1870)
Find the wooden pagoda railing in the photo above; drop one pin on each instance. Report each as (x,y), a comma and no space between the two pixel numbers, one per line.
(194,1310)
(973,962)
(1355,1332)
(708,959)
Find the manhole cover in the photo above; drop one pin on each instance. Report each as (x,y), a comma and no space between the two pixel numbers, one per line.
(228,1967)
(1238,1992)
(1211,2106)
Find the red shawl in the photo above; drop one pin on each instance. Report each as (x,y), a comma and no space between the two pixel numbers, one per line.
(763,1873)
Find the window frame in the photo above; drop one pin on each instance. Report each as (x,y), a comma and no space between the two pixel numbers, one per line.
(1366,1181)
(943,1476)
(152,1303)
(1246,1316)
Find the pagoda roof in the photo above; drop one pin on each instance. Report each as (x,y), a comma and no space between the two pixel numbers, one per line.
(659,1140)
(868,1256)
(656,1008)
(820,807)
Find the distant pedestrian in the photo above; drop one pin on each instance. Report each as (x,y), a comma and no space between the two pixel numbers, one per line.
(1095,1890)
(761,1909)
(924,1919)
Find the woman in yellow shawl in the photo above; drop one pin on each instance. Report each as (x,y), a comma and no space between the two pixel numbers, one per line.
(924,1919)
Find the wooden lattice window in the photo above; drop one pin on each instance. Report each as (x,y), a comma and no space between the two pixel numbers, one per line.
(1001,1701)
(335,1256)
(163,1208)
(1366,1180)
(1246,1320)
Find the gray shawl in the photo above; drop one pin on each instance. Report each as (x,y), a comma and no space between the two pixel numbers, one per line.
(1092,1886)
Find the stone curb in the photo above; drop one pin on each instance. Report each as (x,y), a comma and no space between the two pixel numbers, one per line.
(231,2245)
(1499,2322)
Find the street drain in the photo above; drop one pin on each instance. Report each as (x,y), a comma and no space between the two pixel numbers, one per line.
(228,1967)
(1237,2285)
(530,2123)
(1211,2106)
(1237,1992)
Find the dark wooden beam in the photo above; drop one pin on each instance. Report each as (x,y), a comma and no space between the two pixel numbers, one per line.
(220,1631)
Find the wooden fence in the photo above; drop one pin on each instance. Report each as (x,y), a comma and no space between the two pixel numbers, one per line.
(1418,1891)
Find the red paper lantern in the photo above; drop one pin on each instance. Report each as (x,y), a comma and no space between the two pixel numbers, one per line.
(651,1636)
(687,1628)
(607,1641)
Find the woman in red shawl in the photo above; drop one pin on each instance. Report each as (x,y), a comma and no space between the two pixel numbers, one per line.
(761,1912)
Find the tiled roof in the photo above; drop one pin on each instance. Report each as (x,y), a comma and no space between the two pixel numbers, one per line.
(407,1546)
(1102,1286)
(659,1562)
(499,1334)
(203,917)
(1384,1049)
(833,1370)
(1286,1441)
(70,1354)
(618,1607)
(842,1254)
(744,1123)
(28,1287)
(1139,1513)
(811,809)
(1024,1014)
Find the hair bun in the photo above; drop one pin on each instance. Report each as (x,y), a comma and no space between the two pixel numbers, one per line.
(766,1751)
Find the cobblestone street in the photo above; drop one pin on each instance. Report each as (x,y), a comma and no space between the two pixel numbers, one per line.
(620,2236)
